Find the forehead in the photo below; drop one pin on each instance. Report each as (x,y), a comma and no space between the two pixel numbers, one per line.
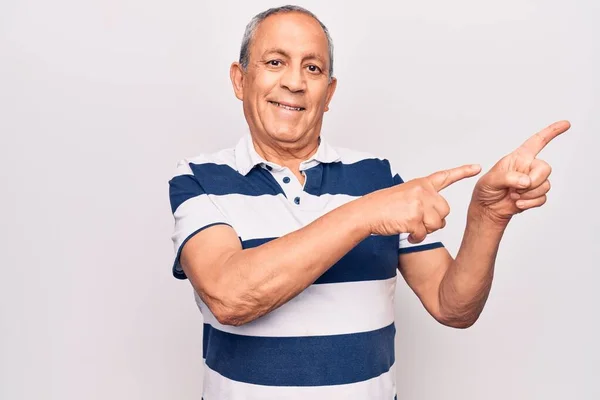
(294,32)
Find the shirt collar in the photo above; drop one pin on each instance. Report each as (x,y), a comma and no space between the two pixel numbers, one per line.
(247,158)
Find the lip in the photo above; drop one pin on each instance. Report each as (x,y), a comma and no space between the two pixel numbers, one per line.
(287,104)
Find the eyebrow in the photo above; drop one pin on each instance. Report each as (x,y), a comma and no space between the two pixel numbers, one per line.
(307,56)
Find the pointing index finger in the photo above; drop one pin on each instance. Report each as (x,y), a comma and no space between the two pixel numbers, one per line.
(443,179)
(537,142)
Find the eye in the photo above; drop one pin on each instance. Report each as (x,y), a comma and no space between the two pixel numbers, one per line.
(274,63)
(314,68)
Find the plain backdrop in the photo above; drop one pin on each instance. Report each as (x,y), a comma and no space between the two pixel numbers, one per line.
(99,99)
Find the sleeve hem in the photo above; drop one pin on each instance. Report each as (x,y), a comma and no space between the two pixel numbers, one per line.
(417,248)
(177,270)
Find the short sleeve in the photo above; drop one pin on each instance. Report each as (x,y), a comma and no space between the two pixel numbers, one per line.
(193,211)
(431,241)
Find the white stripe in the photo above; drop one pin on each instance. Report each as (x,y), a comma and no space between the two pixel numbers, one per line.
(193,214)
(430,238)
(323,309)
(228,157)
(269,216)
(350,156)
(217,387)
(222,157)
(260,217)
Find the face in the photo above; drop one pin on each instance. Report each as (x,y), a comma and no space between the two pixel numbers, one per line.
(286,88)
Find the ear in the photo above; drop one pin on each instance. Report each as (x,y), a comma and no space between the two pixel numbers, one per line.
(236,74)
(330,92)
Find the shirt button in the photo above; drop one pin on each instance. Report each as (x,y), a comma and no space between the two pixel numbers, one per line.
(269,168)
(297,200)
(286,180)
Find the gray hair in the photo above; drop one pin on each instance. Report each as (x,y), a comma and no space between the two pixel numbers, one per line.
(258,18)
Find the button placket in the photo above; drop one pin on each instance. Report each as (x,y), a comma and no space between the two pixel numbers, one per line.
(290,186)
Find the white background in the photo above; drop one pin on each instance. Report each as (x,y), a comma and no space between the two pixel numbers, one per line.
(99,99)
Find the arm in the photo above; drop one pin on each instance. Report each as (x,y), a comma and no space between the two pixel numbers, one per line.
(241,285)
(454,292)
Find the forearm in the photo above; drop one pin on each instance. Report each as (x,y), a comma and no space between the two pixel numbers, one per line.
(253,282)
(465,287)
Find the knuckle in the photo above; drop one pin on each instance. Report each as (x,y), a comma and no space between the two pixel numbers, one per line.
(433,222)
(416,208)
(418,190)
(445,208)
(446,175)
(545,167)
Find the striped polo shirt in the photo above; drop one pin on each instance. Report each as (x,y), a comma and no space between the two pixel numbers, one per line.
(335,340)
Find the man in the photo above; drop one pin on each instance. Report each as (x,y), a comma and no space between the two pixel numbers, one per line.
(292,245)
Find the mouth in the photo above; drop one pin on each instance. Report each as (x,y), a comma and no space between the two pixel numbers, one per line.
(287,106)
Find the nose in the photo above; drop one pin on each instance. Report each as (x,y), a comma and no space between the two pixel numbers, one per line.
(293,79)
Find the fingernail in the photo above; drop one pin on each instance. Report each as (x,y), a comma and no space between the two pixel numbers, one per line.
(524,181)
(520,204)
(515,196)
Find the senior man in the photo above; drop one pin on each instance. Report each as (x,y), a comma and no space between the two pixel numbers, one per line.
(292,245)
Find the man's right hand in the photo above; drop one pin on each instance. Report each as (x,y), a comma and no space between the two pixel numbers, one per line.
(415,207)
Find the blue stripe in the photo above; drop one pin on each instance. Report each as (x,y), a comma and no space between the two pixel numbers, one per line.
(219,179)
(314,178)
(179,274)
(375,258)
(300,361)
(397,179)
(356,179)
(413,249)
(181,188)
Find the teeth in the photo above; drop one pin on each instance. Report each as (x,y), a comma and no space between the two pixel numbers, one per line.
(286,107)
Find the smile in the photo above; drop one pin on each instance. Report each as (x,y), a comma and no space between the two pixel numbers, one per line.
(287,107)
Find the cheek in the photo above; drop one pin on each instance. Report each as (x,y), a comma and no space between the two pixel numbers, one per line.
(265,81)
(319,94)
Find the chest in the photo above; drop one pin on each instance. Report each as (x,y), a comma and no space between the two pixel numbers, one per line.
(268,206)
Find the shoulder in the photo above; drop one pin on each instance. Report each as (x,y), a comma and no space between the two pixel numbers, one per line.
(206,162)
(363,159)
(352,156)
(368,162)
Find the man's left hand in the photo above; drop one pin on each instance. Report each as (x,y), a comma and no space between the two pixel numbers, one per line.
(519,181)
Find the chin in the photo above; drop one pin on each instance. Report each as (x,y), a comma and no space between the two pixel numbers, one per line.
(286,134)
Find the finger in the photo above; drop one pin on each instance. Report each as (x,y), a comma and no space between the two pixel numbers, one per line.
(527,204)
(418,234)
(510,179)
(537,142)
(432,221)
(539,173)
(443,179)
(441,206)
(533,193)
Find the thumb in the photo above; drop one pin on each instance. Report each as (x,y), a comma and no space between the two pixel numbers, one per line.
(510,179)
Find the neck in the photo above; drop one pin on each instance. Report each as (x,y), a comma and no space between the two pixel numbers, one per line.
(288,155)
